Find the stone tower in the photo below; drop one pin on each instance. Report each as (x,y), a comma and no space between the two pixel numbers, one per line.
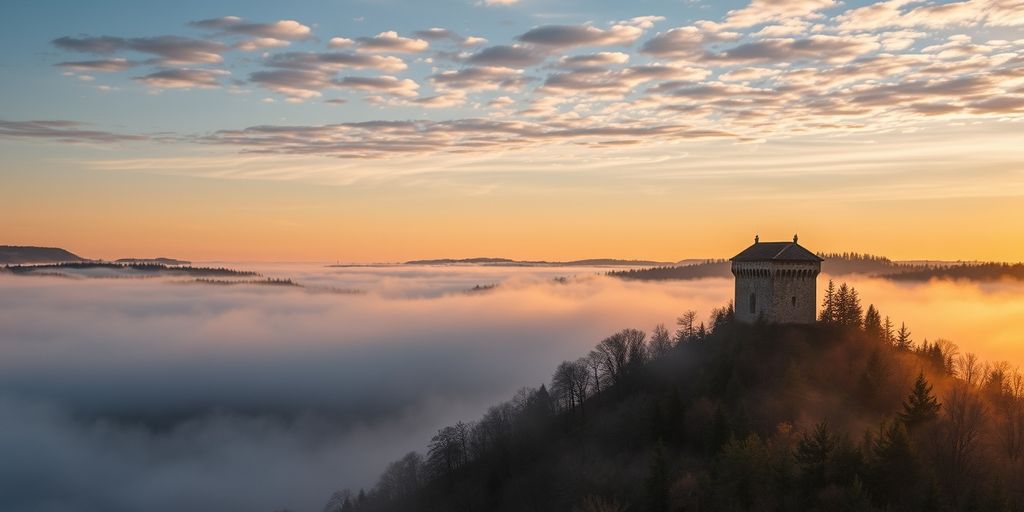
(776,281)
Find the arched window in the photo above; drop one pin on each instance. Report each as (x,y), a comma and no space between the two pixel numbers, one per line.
(753,303)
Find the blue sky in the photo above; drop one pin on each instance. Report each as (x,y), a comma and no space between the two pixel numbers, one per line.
(561,107)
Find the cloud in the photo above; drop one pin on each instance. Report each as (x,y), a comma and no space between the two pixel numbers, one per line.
(187,397)
(907,13)
(340,42)
(377,139)
(817,47)
(480,78)
(512,56)
(283,29)
(617,82)
(566,36)
(171,50)
(441,34)
(594,59)
(759,12)
(387,84)
(497,2)
(391,42)
(159,396)
(744,74)
(61,131)
(183,78)
(105,65)
(684,42)
(335,61)
(262,43)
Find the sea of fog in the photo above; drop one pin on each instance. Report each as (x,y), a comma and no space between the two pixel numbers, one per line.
(155,394)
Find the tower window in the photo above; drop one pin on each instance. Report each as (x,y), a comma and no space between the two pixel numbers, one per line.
(794,301)
(753,303)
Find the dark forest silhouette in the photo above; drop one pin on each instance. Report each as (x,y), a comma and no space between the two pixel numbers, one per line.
(839,264)
(850,413)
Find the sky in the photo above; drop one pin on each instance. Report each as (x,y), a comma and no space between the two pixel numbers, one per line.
(336,130)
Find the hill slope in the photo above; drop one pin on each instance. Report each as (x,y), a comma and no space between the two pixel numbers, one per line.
(742,417)
(16,254)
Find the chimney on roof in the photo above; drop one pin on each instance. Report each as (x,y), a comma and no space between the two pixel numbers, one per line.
(794,239)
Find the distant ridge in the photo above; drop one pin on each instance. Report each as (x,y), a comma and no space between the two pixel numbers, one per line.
(18,254)
(154,261)
(516,263)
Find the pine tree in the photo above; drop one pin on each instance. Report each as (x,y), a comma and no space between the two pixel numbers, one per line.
(873,323)
(852,313)
(903,340)
(893,465)
(840,303)
(828,304)
(920,406)
(887,331)
(813,453)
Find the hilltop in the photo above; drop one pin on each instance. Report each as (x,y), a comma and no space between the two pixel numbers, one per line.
(844,414)
(17,254)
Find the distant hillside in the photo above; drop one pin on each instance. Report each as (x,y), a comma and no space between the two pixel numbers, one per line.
(15,255)
(733,417)
(505,262)
(835,264)
(154,261)
(969,272)
(98,269)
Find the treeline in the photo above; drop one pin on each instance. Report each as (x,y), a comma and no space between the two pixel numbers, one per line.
(846,414)
(709,268)
(138,267)
(967,271)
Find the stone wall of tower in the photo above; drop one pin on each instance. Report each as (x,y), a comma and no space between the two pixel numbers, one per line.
(783,292)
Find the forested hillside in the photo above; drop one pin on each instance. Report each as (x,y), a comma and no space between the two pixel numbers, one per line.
(847,414)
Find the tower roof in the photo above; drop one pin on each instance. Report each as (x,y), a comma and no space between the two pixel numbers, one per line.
(776,251)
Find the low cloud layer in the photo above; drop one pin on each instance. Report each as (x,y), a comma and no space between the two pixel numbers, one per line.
(153,395)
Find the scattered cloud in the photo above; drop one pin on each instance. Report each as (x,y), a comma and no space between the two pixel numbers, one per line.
(170,50)
(262,43)
(764,71)
(283,29)
(513,56)
(391,42)
(183,78)
(479,78)
(105,65)
(61,131)
(760,12)
(387,84)
(567,36)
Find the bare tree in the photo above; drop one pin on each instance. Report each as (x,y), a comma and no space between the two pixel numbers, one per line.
(686,329)
(619,351)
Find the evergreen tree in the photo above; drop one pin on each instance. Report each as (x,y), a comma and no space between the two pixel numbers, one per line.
(893,465)
(813,453)
(920,406)
(873,323)
(888,331)
(828,307)
(903,340)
